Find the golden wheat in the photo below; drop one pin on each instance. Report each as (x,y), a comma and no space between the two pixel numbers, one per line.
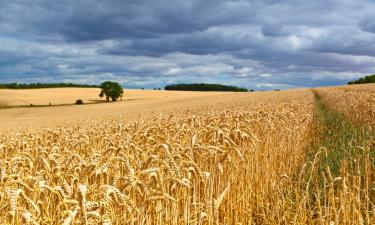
(242,162)
(357,102)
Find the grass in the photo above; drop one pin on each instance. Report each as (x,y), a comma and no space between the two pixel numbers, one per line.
(339,136)
(339,180)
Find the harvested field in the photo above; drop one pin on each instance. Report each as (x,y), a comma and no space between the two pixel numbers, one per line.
(135,103)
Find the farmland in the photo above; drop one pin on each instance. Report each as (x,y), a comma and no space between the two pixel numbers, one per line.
(19,115)
(301,156)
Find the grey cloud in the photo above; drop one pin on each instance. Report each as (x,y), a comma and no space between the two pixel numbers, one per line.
(298,43)
(367,24)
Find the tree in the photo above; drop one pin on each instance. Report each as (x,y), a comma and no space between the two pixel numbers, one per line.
(204,87)
(44,85)
(111,90)
(364,80)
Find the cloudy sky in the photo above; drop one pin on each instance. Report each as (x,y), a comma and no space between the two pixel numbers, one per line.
(260,44)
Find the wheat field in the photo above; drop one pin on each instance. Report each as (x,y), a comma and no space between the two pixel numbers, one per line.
(17,114)
(193,158)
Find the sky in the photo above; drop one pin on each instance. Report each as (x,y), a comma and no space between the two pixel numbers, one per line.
(257,44)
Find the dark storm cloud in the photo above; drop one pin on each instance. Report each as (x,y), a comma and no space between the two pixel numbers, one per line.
(142,43)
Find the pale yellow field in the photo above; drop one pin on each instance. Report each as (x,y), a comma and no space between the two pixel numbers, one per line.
(60,96)
(55,96)
(135,103)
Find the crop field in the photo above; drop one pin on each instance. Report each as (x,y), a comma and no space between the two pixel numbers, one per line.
(16,113)
(304,156)
(68,96)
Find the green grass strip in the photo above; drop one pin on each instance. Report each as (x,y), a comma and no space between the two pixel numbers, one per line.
(339,136)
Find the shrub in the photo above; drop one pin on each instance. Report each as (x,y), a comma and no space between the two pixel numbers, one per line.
(79,102)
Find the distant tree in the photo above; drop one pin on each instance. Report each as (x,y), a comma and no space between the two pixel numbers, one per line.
(111,90)
(44,85)
(364,80)
(159,89)
(204,87)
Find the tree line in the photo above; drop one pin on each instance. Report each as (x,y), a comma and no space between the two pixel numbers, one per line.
(364,80)
(44,85)
(204,87)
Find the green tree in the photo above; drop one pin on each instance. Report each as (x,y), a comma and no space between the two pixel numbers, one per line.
(204,87)
(111,90)
(364,80)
